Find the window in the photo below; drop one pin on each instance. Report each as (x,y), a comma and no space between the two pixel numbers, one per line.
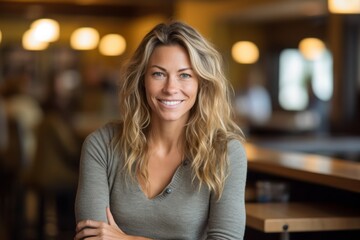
(298,76)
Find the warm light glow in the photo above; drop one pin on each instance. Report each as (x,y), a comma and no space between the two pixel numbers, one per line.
(46,30)
(344,6)
(245,52)
(30,43)
(84,39)
(0,36)
(311,48)
(112,45)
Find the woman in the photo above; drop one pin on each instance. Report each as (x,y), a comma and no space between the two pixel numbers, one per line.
(174,166)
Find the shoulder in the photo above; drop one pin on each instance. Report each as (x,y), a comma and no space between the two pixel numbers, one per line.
(105,133)
(236,153)
(98,146)
(234,146)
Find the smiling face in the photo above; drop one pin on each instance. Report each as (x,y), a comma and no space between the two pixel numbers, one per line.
(171,84)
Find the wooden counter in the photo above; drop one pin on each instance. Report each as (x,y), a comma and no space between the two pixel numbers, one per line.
(301,217)
(311,168)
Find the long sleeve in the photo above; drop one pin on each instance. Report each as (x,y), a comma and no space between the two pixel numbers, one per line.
(183,213)
(92,196)
(227,216)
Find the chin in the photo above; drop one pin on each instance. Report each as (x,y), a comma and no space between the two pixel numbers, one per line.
(171,118)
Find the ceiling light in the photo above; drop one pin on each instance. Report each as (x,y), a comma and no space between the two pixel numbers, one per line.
(29,42)
(344,6)
(245,52)
(311,48)
(112,45)
(84,39)
(46,30)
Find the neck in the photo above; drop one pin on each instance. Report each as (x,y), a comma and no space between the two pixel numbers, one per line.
(167,136)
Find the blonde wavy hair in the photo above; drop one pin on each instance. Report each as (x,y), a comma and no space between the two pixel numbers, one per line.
(210,125)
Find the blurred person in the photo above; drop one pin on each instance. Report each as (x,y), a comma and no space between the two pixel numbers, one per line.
(56,159)
(24,109)
(255,103)
(54,173)
(21,114)
(173,167)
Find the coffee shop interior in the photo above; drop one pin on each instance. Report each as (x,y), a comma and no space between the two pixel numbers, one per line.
(294,69)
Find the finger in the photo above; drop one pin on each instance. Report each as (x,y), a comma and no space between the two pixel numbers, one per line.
(87,233)
(110,217)
(111,220)
(87,224)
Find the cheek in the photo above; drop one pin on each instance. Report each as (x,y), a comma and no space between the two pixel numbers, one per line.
(193,90)
(147,90)
(196,92)
(150,97)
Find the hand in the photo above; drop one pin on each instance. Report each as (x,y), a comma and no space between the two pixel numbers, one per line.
(94,230)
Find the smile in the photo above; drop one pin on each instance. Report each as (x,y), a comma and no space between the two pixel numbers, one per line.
(170,103)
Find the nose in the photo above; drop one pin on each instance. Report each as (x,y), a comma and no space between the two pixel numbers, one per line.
(171,85)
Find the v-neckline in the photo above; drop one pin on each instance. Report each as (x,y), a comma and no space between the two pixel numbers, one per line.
(173,184)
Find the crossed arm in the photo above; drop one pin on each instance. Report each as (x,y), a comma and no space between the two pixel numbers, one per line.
(95,230)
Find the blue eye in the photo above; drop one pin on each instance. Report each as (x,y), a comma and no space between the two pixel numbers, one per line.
(158,74)
(185,75)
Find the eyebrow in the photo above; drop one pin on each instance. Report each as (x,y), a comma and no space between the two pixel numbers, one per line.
(163,69)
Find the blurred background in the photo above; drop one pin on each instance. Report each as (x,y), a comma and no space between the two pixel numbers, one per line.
(293,64)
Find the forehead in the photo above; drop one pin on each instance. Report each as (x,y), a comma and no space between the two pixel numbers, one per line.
(169,55)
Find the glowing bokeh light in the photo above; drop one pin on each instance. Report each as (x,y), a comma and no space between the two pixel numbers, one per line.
(84,39)
(112,45)
(312,48)
(245,52)
(46,30)
(344,6)
(29,42)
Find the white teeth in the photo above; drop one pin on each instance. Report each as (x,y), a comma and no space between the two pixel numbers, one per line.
(170,103)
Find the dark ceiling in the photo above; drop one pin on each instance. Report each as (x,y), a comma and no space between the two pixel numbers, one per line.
(116,8)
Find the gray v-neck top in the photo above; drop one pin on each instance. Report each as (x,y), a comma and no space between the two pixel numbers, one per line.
(180,211)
